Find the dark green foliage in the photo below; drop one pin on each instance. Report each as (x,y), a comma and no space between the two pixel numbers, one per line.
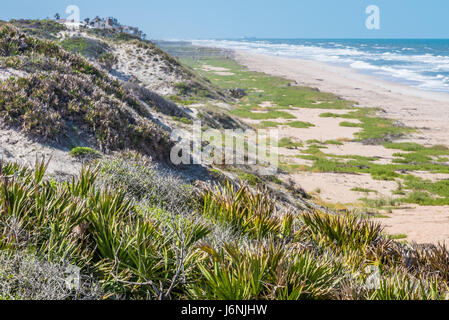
(84,153)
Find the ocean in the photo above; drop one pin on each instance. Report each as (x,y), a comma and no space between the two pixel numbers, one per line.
(421,63)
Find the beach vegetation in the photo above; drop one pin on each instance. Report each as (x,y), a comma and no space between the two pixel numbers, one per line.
(300,124)
(132,240)
(84,152)
(289,143)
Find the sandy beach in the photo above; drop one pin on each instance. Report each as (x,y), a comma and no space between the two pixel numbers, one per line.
(426,111)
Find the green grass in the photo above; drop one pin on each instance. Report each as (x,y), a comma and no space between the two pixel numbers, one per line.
(397,236)
(275,90)
(334,142)
(300,124)
(375,130)
(288,143)
(82,152)
(350,124)
(84,46)
(270,124)
(249,178)
(363,190)
(182,120)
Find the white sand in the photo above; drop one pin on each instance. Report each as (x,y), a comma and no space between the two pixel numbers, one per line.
(426,111)
(420,224)
(336,187)
(16,147)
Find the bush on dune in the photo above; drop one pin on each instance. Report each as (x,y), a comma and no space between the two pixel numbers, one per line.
(47,103)
(148,245)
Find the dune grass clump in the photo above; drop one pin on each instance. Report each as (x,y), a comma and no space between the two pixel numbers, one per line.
(248,212)
(289,143)
(346,232)
(264,272)
(84,153)
(300,124)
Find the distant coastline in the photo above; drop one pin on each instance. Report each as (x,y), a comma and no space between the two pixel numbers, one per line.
(425,110)
(422,64)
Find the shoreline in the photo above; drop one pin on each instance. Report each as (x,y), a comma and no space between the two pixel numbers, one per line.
(425,110)
(412,107)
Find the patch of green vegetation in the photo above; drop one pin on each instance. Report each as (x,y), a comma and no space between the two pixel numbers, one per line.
(181,101)
(84,152)
(182,120)
(333,142)
(350,124)
(397,236)
(270,124)
(426,192)
(300,124)
(250,178)
(261,87)
(380,203)
(375,130)
(363,190)
(87,47)
(288,143)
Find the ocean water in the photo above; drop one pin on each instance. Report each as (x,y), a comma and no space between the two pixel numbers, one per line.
(421,63)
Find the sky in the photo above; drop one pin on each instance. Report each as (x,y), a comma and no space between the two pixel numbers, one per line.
(230,19)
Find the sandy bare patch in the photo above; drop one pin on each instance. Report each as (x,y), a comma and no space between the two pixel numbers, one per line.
(223,73)
(336,188)
(219,71)
(324,129)
(434,177)
(16,147)
(207,67)
(384,155)
(422,224)
(267,104)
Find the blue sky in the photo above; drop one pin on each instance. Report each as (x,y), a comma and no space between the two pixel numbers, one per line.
(186,19)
